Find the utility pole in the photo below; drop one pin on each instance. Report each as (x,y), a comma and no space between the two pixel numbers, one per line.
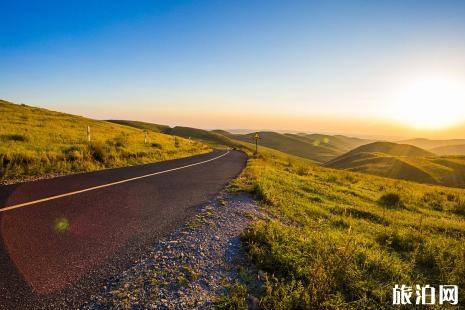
(88,133)
(256,137)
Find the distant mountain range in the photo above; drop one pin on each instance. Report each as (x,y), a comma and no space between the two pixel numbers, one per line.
(420,160)
(434,145)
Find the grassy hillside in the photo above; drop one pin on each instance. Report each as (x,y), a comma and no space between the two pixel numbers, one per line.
(294,144)
(390,148)
(35,141)
(449,150)
(429,144)
(143,125)
(340,142)
(342,240)
(217,138)
(222,132)
(403,162)
(203,135)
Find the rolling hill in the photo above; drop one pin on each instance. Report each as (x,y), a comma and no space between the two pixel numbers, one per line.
(429,144)
(401,161)
(340,142)
(36,141)
(214,137)
(450,150)
(390,148)
(203,135)
(319,148)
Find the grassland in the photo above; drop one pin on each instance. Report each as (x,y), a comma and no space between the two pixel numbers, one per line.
(318,149)
(405,162)
(143,125)
(214,138)
(206,136)
(342,240)
(35,141)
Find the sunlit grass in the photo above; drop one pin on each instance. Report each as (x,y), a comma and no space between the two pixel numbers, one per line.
(36,141)
(341,240)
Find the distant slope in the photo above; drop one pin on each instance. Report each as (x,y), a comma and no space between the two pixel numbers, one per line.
(402,161)
(339,141)
(294,145)
(203,135)
(450,150)
(390,148)
(222,132)
(35,141)
(429,144)
(214,137)
(143,125)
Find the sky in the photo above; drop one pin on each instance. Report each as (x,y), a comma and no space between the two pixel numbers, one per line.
(393,68)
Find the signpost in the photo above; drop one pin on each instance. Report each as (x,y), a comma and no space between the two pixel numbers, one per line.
(256,137)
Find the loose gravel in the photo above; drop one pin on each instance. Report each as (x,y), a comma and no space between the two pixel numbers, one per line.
(191,267)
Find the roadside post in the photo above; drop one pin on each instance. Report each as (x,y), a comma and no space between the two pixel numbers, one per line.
(256,137)
(88,133)
(145,136)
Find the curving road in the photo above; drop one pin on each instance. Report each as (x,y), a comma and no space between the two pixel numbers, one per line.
(62,238)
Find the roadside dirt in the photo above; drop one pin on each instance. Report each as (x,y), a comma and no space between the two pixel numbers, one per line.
(190,268)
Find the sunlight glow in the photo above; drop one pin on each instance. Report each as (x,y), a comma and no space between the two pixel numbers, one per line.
(431,103)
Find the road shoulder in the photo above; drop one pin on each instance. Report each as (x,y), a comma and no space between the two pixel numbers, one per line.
(190,268)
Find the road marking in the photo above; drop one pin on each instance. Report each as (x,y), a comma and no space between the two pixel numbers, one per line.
(106,185)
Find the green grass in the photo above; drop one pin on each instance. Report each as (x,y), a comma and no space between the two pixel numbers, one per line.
(143,125)
(342,240)
(35,141)
(215,138)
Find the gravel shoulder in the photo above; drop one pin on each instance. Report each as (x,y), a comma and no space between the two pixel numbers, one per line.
(190,268)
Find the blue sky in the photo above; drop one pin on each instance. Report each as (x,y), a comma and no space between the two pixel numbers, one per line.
(229,64)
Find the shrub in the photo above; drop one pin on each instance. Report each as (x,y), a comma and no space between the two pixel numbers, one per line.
(14,137)
(391,200)
(157,145)
(459,208)
(73,153)
(98,151)
(302,170)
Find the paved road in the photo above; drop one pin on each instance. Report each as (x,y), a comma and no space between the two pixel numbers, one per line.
(62,238)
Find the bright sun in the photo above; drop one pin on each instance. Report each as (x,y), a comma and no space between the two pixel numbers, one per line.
(431,103)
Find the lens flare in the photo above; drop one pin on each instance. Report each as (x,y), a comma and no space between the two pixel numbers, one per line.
(61,225)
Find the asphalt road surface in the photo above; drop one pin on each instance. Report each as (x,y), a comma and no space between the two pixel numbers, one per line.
(63,238)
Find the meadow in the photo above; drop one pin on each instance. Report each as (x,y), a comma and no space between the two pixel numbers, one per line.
(342,240)
(36,142)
